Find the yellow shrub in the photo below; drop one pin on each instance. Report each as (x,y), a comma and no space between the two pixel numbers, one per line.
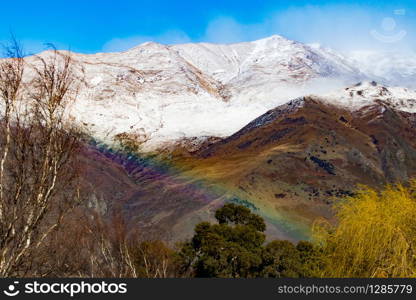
(375,235)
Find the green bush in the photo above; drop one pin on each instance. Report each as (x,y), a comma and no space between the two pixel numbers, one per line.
(236,248)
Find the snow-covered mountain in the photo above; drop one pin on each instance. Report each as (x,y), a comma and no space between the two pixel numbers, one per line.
(367,93)
(397,69)
(155,94)
(287,159)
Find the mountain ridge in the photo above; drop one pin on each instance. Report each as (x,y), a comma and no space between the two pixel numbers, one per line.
(158,94)
(289,165)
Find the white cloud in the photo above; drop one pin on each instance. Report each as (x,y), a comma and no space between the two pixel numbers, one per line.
(342,27)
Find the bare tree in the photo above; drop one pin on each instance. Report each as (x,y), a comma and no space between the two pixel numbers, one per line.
(11,75)
(153,259)
(109,247)
(38,168)
(43,229)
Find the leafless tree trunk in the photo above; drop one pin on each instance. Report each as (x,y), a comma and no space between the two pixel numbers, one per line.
(42,233)
(11,74)
(38,156)
(91,245)
(110,251)
(154,258)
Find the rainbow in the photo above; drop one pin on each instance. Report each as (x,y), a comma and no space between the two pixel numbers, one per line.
(148,167)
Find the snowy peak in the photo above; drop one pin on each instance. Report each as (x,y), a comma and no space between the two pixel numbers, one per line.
(156,93)
(273,59)
(367,93)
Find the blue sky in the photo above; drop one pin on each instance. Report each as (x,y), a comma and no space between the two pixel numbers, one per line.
(91,26)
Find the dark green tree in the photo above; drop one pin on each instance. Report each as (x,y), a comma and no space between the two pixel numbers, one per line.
(281,259)
(229,249)
(235,248)
(311,258)
(238,214)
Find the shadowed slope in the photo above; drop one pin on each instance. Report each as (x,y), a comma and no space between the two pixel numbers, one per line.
(289,165)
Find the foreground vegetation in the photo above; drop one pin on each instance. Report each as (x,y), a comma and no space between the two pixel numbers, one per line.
(47,228)
(375,235)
